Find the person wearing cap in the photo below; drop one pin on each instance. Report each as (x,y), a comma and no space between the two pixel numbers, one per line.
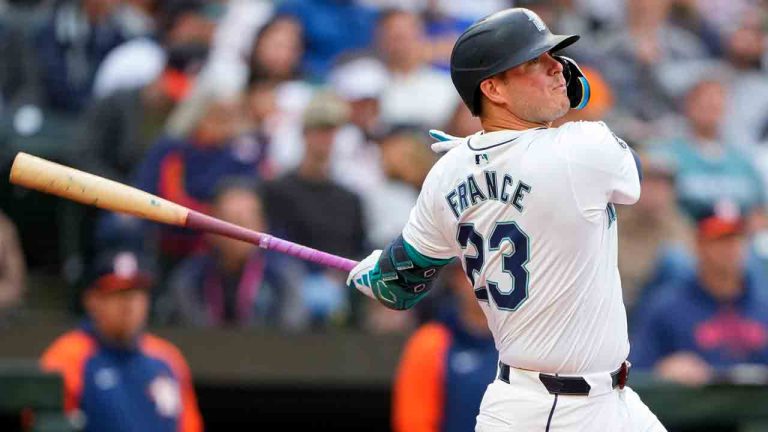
(308,207)
(117,376)
(697,329)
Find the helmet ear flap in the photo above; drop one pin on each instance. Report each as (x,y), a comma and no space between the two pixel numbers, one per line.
(576,83)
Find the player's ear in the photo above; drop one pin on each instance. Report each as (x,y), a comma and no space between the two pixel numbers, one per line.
(490,88)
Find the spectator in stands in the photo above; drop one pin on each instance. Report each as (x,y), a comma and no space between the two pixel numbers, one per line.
(275,74)
(445,366)
(710,169)
(405,160)
(261,107)
(416,93)
(184,31)
(308,207)
(74,40)
(118,130)
(226,70)
(746,48)
(696,329)
(119,377)
(185,171)
(654,236)
(233,282)
(330,29)
(692,16)
(643,62)
(356,162)
(277,50)
(13,270)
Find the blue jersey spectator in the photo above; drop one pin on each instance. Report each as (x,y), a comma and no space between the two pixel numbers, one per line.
(121,378)
(331,27)
(712,320)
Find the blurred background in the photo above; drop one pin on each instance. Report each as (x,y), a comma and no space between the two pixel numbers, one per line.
(307,119)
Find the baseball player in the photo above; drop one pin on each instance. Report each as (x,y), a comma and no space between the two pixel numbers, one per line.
(529,211)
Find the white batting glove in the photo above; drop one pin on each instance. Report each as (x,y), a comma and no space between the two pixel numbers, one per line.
(445,142)
(360,278)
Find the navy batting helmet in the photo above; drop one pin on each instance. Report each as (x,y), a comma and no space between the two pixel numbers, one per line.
(500,42)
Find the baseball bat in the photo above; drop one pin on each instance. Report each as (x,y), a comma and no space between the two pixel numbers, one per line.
(56,179)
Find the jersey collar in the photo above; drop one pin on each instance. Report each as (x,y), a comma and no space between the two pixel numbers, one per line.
(488,140)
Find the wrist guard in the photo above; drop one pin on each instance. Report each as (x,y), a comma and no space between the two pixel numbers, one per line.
(397,281)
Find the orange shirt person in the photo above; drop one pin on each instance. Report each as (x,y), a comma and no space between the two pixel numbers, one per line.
(446,366)
(119,377)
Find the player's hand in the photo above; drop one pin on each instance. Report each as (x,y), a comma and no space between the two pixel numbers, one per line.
(444,142)
(360,278)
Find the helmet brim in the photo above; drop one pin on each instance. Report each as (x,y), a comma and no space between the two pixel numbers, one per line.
(553,43)
(562,42)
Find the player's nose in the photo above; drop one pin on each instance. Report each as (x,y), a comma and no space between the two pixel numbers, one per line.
(554,66)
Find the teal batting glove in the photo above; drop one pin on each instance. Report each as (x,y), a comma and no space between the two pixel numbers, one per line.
(445,141)
(366,278)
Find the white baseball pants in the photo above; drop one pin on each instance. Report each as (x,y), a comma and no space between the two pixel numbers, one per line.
(525,405)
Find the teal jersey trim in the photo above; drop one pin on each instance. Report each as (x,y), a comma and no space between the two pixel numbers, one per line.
(420,260)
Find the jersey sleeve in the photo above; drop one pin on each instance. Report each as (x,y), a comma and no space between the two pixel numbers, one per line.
(428,225)
(601,166)
(67,356)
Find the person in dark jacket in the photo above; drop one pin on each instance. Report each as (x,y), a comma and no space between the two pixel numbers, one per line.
(234,283)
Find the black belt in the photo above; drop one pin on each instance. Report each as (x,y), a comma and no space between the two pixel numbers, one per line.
(571,385)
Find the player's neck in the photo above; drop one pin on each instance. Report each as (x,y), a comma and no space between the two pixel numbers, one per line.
(496,121)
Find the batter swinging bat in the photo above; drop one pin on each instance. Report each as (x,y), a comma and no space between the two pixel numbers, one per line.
(49,177)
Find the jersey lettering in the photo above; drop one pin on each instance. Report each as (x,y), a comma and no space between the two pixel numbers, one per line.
(469,192)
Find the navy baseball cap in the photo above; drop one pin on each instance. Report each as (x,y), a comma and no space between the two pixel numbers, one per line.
(119,271)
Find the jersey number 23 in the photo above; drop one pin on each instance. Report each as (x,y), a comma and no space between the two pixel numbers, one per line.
(507,294)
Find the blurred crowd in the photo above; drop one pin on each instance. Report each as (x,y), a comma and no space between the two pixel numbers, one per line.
(308,119)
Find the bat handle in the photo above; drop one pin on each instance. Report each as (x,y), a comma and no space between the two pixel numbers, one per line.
(197,220)
(308,254)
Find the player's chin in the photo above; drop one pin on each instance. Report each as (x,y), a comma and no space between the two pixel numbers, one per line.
(558,110)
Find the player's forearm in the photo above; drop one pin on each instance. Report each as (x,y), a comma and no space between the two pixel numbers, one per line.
(398,277)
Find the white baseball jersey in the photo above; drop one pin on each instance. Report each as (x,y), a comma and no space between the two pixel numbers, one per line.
(530,214)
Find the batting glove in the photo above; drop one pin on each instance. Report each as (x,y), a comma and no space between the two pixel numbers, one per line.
(360,276)
(445,141)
